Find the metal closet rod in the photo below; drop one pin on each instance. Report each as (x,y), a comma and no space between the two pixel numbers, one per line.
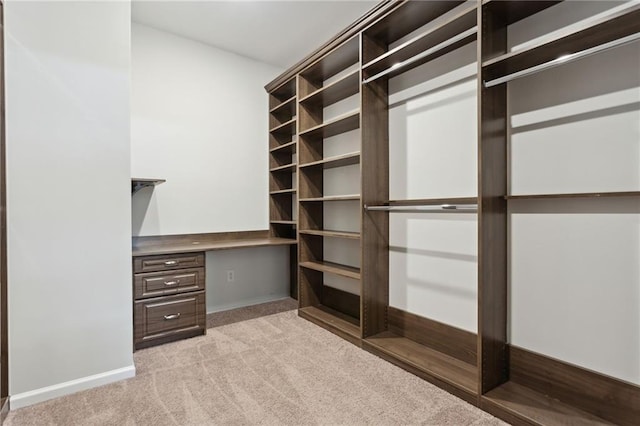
(423,54)
(563,60)
(470,208)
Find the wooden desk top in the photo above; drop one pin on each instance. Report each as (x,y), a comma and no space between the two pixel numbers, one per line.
(168,244)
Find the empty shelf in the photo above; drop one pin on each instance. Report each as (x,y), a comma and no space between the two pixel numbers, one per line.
(332,234)
(287,107)
(138,183)
(335,321)
(332,198)
(531,406)
(341,89)
(514,11)
(283,191)
(432,363)
(286,168)
(283,222)
(288,127)
(341,124)
(285,148)
(337,161)
(333,268)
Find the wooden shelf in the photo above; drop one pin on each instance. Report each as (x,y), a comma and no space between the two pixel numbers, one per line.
(338,60)
(332,234)
(341,89)
(574,195)
(531,406)
(341,124)
(286,168)
(285,91)
(282,222)
(432,363)
(287,107)
(288,127)
(332,320)
(333,268)
(432,201)
(407,18)
(286,148)
(574,38)
(283,191)
(333,162)
(514,11)
(332,198)
(391,62)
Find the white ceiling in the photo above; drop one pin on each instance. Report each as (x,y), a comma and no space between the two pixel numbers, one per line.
(279,33)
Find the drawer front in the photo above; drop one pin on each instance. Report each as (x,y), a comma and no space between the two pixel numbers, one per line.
(154,284)
(167,262)
(165,316)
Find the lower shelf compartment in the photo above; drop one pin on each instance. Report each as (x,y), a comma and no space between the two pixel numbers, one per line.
(334,321)
(532,407)
(455,376)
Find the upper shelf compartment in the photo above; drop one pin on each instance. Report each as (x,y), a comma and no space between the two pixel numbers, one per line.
(510,12)
(619,26)
(138,183)
(313,81)
(447,33)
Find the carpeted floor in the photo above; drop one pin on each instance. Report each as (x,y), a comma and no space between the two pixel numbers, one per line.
(272,370)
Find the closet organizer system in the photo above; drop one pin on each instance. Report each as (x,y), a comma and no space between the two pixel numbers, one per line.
(517,385)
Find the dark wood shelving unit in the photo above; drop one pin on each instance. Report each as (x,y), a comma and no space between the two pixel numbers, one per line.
(331,234)
(337,161)
(483,367)
(334,78)
(282,170)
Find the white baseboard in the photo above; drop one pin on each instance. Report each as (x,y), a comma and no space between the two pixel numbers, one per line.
(38,395)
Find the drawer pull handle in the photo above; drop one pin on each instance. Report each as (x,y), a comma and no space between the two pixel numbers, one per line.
(172,317)
(171,262)
(170,283)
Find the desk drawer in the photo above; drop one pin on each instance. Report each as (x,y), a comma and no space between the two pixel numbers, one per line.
(167,262)
(164,317)
(154,284)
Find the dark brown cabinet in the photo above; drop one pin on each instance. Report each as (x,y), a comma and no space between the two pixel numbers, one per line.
(169,298)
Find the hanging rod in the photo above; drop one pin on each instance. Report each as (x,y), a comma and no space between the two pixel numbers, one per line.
(440,208)
(563,60)
(424,54)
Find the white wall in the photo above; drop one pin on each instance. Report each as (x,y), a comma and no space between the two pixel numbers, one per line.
(69,226)
(200,121)
(261,274)
(574,271)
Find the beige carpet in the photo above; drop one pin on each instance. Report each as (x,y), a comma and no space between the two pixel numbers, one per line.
(274,370)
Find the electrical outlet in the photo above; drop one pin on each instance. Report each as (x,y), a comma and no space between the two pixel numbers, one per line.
(231,276)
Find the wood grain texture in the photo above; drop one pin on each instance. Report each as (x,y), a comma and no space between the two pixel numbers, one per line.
(155,284)
(169,318)
(455,342)
(520,405)
(374,233)
(310,286)
(344,123)
(341,301)
(331,93)
(492,213)
(332,268)
(449,373)
(340,58)
(600,395)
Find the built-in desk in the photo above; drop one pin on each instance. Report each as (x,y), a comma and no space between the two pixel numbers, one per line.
(169,281)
